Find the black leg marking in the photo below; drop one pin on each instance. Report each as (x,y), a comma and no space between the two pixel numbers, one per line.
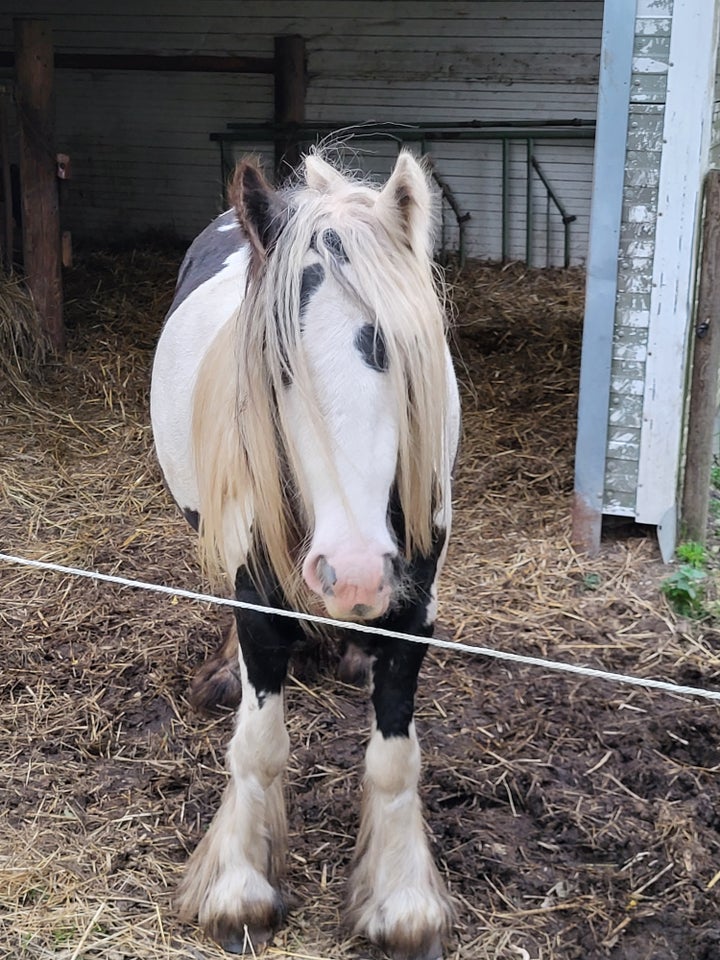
(370,343)
(398,662)
(395,675)
(266,641)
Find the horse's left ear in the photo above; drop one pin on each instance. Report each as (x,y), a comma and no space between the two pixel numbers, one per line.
(259,207)
(407,200)
(320,175)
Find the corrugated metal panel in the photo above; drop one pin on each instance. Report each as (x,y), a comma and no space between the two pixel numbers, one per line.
(646,118)
(139,142)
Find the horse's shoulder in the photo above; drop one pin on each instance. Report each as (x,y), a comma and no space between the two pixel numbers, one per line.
(208,255)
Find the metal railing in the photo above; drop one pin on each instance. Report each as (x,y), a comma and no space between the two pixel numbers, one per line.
(424,134)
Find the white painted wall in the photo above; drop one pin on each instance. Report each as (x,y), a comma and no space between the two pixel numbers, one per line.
(685,160)
(139,141)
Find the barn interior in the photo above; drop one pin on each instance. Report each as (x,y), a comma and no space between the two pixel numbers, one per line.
(571,817)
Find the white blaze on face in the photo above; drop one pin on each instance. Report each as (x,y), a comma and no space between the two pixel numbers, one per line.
(349,559)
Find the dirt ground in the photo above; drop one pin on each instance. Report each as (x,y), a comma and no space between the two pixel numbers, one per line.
(572,819)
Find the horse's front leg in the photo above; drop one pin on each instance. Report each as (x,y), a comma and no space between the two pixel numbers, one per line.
(397,898)
(231,882)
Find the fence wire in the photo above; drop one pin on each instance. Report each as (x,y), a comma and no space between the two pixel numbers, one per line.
(519,658)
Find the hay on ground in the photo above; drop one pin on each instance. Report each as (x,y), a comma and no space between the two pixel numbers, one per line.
(571,819)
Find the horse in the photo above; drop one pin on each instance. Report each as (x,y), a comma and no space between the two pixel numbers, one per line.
(305,415)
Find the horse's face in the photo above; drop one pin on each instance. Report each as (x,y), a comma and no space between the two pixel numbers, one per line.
(347,482)
(341,408)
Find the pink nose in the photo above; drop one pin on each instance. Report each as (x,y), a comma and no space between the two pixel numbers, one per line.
(352,586)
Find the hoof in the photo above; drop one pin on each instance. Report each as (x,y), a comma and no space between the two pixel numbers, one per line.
(251,938)
(431,951)
(252,943)
(427,947)
(239,909)
(354,667)
(407,925)
(217,682)
(215,686)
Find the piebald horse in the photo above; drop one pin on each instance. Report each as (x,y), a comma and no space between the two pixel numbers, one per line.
(305,415)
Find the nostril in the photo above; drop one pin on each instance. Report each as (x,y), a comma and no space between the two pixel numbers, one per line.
(389,561)
(326,575)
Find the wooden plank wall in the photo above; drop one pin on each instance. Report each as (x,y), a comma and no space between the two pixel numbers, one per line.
(637,240)
(139,141)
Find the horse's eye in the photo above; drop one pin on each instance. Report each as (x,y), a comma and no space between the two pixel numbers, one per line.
(333,243)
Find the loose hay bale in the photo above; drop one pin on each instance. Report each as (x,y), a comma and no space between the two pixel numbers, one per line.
(24,344)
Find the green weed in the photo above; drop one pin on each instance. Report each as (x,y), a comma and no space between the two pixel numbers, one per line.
(685,589)
(715,475)
(694,554)
(63,935)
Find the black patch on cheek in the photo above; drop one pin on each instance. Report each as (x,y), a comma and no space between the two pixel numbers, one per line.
(370,343)
(192,517)
(334,244)
(312,277)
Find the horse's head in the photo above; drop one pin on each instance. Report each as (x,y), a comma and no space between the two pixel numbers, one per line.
(352,369)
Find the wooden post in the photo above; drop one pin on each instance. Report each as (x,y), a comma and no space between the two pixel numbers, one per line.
(38,173)
(7,230)
(704,376)
(289,99)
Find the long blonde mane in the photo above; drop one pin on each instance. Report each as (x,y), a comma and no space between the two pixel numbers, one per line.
(245,454)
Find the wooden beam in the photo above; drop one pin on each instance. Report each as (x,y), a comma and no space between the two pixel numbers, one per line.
(704,377)
(290,82)
(38,173)
(155,62)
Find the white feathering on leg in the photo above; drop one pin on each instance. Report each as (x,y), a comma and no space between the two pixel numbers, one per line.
(231,878)
(397,897)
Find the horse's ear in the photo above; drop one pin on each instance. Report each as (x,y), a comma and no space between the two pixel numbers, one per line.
(320,175)
(407,202)
(259,207)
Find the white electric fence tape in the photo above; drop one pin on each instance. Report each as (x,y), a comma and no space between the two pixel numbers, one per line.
(378,631)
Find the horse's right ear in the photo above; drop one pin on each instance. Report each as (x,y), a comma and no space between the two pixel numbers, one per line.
(259,208)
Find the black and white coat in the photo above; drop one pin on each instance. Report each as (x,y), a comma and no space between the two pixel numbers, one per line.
(360,558)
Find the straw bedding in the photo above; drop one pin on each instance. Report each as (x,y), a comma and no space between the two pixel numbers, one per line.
(571,818)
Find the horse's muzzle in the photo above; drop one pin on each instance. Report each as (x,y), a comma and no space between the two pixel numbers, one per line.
(353,586)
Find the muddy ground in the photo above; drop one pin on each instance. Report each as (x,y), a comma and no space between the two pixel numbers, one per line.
(572,819)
